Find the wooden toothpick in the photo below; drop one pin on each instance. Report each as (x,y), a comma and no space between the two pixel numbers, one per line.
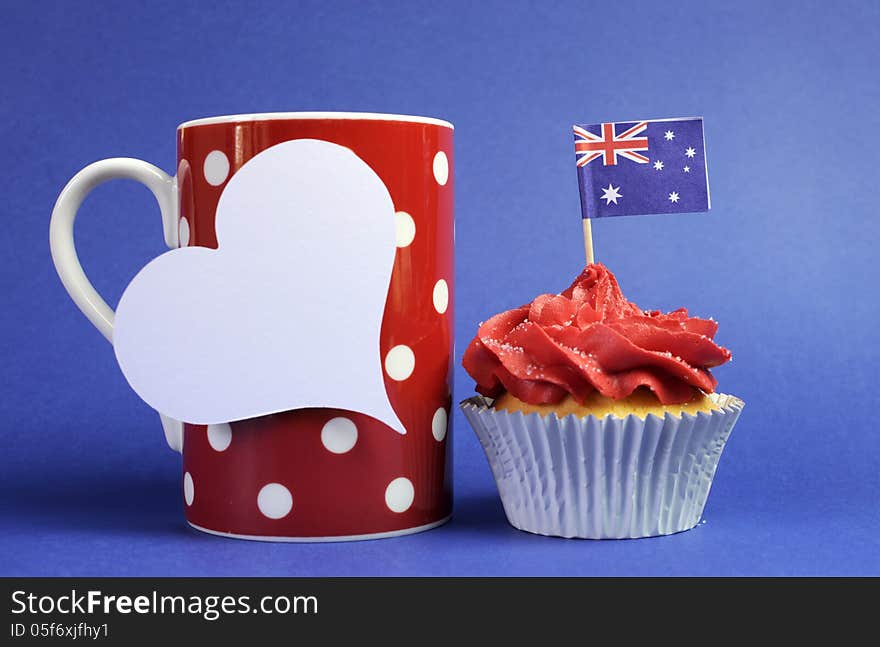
(588,241)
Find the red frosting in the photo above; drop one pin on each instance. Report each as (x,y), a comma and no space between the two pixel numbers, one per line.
(590,338)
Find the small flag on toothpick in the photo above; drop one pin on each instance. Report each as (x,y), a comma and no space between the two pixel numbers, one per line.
(642,167)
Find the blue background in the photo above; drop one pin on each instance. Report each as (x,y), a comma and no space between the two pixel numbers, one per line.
(785,261)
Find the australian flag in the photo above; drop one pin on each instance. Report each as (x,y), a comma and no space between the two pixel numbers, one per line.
(642,167)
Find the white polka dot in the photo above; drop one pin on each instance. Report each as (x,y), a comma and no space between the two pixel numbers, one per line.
(219,436)
(339,435)
(216,168)
(183,232)
(406,228)
(438,424)
(189,488)
(441,296)
(441,168)
(399,494)
(275,501)
(400,362)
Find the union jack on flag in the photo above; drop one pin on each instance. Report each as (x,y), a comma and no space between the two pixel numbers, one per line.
(651,166)
(608,146)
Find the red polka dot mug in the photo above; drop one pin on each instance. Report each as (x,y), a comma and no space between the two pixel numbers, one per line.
(313,474)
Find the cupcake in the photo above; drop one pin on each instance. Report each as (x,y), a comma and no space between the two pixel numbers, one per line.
(599,419)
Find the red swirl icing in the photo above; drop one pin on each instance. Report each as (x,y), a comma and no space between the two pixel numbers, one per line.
(591,338)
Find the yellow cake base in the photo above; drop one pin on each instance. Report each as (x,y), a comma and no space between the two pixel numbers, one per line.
(640,403)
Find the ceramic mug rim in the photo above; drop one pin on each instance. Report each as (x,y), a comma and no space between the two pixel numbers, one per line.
(282,116)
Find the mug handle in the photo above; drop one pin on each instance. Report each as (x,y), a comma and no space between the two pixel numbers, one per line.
(78,286)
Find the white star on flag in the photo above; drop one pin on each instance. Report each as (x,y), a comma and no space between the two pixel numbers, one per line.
(690,152)
(673,197)
(611,194)
(669,135)
(687,169)
(658,165)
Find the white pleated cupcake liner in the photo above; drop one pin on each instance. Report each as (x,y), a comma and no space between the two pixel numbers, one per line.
(603,478)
